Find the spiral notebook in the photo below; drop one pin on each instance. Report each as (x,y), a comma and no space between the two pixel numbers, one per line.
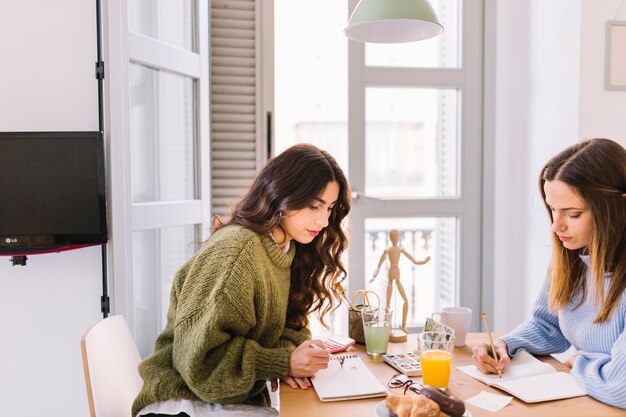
(353,380)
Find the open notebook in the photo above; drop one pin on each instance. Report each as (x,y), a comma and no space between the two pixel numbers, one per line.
(352,381)
(529,379)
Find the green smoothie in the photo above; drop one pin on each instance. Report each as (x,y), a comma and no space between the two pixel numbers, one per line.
(376,337)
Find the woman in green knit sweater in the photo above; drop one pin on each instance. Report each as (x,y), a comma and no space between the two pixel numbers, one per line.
(238,309)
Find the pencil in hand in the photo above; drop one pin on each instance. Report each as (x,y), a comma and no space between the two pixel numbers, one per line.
(493,347)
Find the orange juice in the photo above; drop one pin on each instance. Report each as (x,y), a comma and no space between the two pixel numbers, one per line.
(436,367)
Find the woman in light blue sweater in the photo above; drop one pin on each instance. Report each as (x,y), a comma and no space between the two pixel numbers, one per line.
(583,302)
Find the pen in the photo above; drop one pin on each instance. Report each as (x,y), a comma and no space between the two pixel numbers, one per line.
(493,347)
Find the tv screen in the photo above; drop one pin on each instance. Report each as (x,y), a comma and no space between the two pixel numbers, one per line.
(51,191)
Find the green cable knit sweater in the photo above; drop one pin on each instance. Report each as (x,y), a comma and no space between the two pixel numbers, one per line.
(225,333)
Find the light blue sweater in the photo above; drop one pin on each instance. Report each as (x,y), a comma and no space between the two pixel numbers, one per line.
(601,364)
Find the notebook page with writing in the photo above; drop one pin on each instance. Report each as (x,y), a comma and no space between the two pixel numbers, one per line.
(352,381)
(522,365)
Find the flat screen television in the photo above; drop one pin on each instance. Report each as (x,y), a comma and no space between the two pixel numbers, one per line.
(52,191)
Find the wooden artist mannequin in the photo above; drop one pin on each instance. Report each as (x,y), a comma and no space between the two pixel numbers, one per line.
(393,253)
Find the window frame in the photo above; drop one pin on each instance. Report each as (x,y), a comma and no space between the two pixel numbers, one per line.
(124,47)
(467,207)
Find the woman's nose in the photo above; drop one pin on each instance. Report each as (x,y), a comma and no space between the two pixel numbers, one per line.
(557,224)
(322,220)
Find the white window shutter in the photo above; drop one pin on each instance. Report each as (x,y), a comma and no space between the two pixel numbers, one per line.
(446,262)
(234,102)
(447,181)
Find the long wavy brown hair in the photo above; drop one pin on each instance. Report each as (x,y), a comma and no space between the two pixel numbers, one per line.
(292,181)
(596,170)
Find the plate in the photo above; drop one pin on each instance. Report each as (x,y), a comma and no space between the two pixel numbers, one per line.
(381,410)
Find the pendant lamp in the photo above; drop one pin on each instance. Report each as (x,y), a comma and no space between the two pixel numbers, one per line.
(392,21)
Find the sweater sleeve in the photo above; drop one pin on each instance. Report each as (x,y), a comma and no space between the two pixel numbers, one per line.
(217,361)
(602,375)
(541,334)
(212,348)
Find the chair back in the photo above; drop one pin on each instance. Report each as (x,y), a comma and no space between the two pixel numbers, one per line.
(110,361)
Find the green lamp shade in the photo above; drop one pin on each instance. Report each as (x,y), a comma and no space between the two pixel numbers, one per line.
(392,21)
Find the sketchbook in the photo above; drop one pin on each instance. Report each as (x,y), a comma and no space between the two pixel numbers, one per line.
(529,379)
(353,380)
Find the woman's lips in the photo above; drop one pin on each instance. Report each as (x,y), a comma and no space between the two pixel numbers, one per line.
(564,238)
(313,232)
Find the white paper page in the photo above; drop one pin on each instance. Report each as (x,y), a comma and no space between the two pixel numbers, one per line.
(522,365)
(489,401)
(354,380)
(543,387)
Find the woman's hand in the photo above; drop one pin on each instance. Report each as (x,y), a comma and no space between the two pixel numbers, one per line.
(297,382)
(307,359)
(571,361)
(484,360)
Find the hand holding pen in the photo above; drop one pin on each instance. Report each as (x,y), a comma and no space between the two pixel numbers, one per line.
(492,357)
(493,348)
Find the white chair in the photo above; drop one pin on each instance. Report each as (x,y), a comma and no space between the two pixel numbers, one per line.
(110,360)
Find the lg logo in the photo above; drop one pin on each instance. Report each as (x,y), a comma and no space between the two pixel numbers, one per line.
(10,240)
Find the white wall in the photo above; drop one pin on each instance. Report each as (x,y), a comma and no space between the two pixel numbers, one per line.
(48,51)
(602,112)
(536,115)
(549,95)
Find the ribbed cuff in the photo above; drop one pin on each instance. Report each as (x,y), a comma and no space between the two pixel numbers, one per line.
(513,344)
(272,363)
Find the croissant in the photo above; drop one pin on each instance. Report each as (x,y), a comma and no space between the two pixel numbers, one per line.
(412,406)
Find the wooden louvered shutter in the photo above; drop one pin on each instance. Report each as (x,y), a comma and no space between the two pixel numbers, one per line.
(235,128)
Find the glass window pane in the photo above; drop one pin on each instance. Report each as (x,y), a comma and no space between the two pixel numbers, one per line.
(439,52)
(170,21)
(157,255)
(162,135)
(311,73)
(411,142)
(428,287)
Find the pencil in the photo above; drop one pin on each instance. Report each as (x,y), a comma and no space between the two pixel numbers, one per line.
(493,347)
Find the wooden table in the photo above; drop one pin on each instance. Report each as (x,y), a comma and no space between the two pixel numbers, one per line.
(304,403)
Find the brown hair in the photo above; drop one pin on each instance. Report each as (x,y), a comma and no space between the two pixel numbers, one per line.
(292,181)
(596,170)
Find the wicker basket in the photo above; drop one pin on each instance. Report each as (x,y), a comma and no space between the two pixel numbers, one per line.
(355,325)
(355,320)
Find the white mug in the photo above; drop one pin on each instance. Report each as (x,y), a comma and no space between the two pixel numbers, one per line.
(459,319)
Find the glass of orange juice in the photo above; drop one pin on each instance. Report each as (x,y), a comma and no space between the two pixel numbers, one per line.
(435,352)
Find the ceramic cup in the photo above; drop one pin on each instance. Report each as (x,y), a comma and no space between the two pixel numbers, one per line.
(459,319)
